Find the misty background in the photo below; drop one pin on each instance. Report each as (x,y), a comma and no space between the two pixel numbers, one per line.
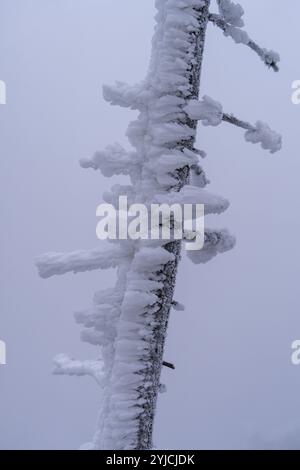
(234,385)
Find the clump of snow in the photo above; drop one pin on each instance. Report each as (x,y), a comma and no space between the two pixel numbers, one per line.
(52,264)
(170,162)
(66,366)
(114,160)
(198,177)
(238,35)
(136,303)
(270,57)
(269,139)
(213,204)
(168,133)
(231,12)
(108,296)
(143,285)
(151,259)
(126,96)
(215,242)
(177,306)
(209,111)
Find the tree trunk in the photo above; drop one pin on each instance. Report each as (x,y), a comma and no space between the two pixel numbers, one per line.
(149,376)
(146,420)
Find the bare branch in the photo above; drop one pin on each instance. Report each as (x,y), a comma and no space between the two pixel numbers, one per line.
(268,57)
(169,365)
(260,133)
(231,119)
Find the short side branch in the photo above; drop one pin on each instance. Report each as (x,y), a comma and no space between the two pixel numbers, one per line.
(269,58)
(231,119)
(169,365)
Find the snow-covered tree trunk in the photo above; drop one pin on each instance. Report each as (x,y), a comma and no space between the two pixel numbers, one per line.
(129,322)
(173,78)
(150,378)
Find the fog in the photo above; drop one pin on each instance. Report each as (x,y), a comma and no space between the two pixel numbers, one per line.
(234,385)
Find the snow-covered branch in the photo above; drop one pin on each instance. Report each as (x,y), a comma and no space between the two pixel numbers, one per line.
(269,57)
(215,242)
(126,96)
(210,113)
(114,160)
(67,366)
(231,119)
(260,133)
(51,264)
(213,204)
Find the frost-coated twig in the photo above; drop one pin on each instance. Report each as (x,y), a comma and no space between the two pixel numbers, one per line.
(240,36)
(210,113)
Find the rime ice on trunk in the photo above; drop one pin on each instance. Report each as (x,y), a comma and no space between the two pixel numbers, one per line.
(173,79)
(129,322)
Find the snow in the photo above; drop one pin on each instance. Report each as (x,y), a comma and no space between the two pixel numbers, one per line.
(169,133)
(215,242)
(151,259)
(268,138)
(209,111)
(178,307)
(213,204)
(198,177)
(231,12)
(270,57)
(66,366)
(114,160)
(170,162)
(238,35)
(52,264)
(124,95)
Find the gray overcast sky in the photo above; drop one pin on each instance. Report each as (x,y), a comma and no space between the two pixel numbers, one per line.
(234,385)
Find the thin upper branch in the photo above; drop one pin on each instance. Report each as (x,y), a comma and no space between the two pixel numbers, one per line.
(266,56)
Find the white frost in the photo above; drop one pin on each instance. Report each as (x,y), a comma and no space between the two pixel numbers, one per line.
(268,138)
(114,160)
(52,264)
(238,35)
(215,242)
(231,12)
(66,366)
(209,111)
(213,204)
